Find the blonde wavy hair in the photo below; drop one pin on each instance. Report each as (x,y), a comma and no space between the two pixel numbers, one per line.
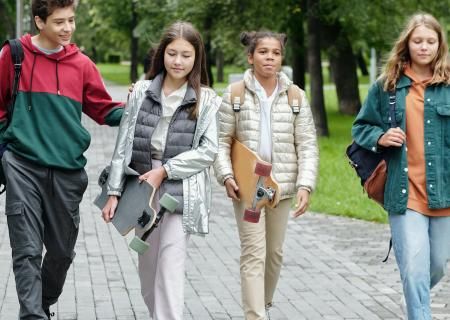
(399,55)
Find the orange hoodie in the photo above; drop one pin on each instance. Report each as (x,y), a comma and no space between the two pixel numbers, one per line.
(417,196)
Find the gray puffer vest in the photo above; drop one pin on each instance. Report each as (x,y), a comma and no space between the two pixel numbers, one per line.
(179,136)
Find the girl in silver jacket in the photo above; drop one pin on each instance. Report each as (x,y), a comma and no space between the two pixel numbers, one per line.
(267,125)
(168,136)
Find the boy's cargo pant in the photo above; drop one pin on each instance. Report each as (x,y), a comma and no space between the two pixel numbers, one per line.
(42,207)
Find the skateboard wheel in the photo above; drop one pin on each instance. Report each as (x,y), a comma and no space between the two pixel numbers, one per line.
(168,202)
(252,215)
(263,169)
(138,245)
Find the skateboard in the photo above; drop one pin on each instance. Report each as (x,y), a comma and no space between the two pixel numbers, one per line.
(257,187)
(134,210)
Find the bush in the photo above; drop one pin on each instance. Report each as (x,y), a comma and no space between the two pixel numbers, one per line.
(113,57)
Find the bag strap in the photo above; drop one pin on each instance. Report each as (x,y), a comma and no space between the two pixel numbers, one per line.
(392,105)
(294,98)
(237,95)
(17,57)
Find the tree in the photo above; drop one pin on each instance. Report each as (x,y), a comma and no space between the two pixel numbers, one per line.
(296,40)
(315,68)
(343,68)
(7,8)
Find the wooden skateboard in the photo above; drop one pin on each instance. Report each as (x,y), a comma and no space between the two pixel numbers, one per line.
(257,187)
(134,210)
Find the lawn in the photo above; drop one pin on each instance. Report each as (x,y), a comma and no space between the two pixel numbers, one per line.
(338,190)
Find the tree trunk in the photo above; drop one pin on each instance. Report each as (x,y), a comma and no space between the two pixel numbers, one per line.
(208,23)
(362,63)
(343,66)
(219,65)
(297,44)
(134,43)
(315,69)
(33,29)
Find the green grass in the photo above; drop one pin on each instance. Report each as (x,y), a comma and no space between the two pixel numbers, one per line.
(117,73)
(338,190)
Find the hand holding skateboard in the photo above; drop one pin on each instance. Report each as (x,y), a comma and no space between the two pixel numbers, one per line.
(232,189)
(133,210)
(110,208)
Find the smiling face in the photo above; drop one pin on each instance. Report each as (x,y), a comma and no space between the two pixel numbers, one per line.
(58,28)
(423,46)
(179,58)
(267,58)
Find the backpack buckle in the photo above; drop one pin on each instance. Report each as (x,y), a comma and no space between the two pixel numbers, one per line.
(237,104)
(295,106)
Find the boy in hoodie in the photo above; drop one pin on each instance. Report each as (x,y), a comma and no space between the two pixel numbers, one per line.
(44,162)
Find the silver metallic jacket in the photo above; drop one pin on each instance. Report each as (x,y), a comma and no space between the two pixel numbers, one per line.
(193,166)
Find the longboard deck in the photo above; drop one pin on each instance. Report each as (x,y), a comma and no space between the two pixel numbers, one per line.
(136,198)
(244,162)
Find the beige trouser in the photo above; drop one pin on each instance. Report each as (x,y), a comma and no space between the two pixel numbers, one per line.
(261,256)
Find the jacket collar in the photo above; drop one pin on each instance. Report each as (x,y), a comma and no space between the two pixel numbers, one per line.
(403,82)
(154,91)
(283,81)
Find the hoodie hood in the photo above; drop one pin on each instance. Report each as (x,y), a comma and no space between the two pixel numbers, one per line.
(67,51)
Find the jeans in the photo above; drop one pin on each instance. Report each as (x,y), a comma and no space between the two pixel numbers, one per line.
(422,249)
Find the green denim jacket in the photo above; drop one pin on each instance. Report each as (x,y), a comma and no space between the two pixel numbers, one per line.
(373,120)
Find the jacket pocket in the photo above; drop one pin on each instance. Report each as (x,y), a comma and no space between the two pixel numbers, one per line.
(443,112)
(17,224)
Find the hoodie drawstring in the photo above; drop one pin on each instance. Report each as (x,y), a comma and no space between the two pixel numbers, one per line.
(57,78)
(30,96)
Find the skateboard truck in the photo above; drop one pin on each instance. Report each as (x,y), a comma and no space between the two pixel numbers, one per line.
(167,203)
(263,170)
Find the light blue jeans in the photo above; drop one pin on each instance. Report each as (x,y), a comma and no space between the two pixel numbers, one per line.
(422,248)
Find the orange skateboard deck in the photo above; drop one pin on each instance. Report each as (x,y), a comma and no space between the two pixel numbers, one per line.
(253,176)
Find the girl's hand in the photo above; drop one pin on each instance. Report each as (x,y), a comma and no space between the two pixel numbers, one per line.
(110,208)
(302,202)
(394,137)
(130,90)
(232,189)
(155,177)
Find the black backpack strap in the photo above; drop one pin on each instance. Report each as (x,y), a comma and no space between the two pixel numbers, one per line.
(17,57)
(392,104)
(389,250)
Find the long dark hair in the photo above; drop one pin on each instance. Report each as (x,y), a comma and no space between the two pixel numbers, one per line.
(186,31)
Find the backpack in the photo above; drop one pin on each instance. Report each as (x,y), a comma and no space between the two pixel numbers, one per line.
(238,96)
(17,57)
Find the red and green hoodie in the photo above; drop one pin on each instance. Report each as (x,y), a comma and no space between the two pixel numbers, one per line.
(53,92)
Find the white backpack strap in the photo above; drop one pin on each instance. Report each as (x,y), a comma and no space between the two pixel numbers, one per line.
(237,95)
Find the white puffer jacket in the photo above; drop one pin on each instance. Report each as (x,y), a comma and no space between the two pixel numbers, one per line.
(295,154)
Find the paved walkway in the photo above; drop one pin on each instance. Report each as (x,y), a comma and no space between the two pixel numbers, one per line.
(332,270)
